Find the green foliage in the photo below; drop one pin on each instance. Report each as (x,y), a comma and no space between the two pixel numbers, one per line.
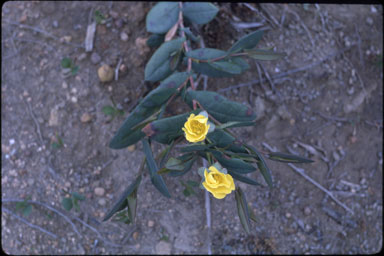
(67,63)
(162,17)
(151,121)
(99,17)
(58,143)
(199,12)
(24,207)
(73,201)
(158,67)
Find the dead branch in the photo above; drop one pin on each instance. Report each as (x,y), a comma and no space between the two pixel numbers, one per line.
(35,121)
(301,172)
(28,223)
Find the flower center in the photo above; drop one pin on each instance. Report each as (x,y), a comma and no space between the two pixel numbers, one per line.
(197,127)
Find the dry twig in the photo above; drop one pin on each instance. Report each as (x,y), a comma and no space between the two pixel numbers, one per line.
(301,172)
(35,121)
(28,223)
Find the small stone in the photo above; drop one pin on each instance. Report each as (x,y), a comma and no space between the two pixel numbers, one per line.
(373,9)
(55,24)
(141,44)
(95,58)
(66,39)
(53,118)
(73,99)
(67,184)
(113,14)
(31,181)
(131,148)
(105,73)
(102,201)
(259,107)
(288,215)
(307,210)
(135,235)
(123,36)
(369,21)
(82,56)
(64,85)
(13,172)
(99,191)
(163,248)
(85,118)
(11,141)
(23,18)
(151,223)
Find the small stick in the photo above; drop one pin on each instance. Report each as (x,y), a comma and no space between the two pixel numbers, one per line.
(245,25)
(35,121)
(28,223)
(301,172)
(117,69)
(287,73)
(46,206)
(208,214)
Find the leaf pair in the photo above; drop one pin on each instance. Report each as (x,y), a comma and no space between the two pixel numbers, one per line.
(164,15)
(130,132)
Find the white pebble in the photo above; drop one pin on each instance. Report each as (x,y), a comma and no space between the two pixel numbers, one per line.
(11,141)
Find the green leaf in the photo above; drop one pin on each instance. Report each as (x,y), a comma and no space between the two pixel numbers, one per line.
(27,210)
(162,17)
(262,165)
(158,67)
(224,140)
(99,17)
(132,205)
(236,124)
(155,40)
(122,202)
(234,164)
(108,110)
(209,70)
(242,209)
(66,63)
(167,129)
(241,62)
(156,179)
(74,70)
(220,107)
(244,179)
(175,60)
(199,12)
(186,192)
(66,202)
(247,42)
(206,54)
(201,147)
(126,135)
(288,158)
(174,164)
(259,54)
(227,66)
(188,160)
(78,196)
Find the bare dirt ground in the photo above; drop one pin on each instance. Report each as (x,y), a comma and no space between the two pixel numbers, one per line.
(324,100)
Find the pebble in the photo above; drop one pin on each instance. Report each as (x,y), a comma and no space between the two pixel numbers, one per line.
(99,191)
(163,248)
(123,36)
(82,56)
(259,107)
(73,99)
(307,210)
(11,141)
(95,58)
(102,201)
(135,235)
(131,148)
(141,44)
(53,118)
(105,73)
(288,215)
(64,85)
(55,24)
(369,21)
(85,118)
(373,9)
(151,223)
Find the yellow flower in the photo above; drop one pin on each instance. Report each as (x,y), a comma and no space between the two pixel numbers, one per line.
(218,183)
(196,128)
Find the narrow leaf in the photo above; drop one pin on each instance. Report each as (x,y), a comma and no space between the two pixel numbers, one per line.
(236,124)
(242,209)
(262,165)
(156,179)
(264,54)
(244,179)
(288,158)
(122,202)
(174,164)
(78,196)
(227,66)
(132,204)
(234,164)
(27,210)
(247,42)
